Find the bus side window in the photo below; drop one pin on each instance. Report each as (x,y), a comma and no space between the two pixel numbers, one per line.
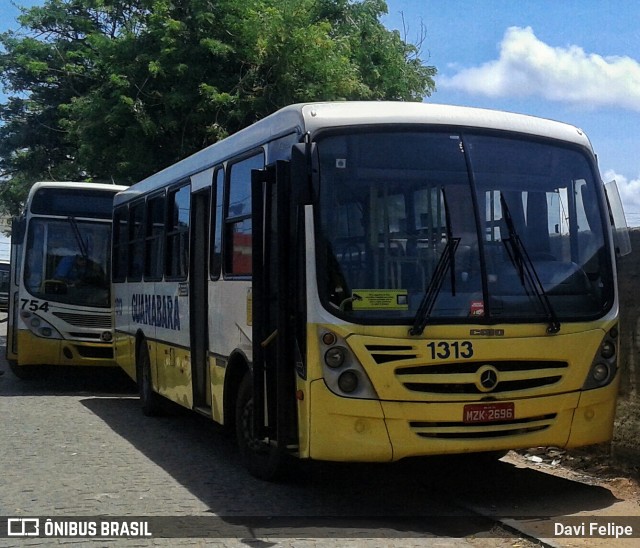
(120,244)
(216,225)
(136,241)
(238,228)
(177,238)
(154,233)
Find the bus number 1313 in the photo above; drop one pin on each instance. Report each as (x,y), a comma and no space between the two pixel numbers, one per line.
(458,349)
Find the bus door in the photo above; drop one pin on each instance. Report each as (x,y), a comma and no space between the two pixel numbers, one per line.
(198,280)
(18,229)
(273,298)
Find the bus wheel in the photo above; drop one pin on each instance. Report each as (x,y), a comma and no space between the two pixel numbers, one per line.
(263,461)
(25,372)
(151,403)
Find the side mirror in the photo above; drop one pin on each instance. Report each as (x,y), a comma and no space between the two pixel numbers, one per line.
(621,239)
(18,226)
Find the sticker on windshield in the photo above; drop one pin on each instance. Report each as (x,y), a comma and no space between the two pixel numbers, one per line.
(477,308)
(380,299)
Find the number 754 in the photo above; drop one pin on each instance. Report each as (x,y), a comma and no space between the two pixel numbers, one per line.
(34,305)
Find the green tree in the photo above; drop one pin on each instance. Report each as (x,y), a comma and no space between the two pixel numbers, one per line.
(103,90)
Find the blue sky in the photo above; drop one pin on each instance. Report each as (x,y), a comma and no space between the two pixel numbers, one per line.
(570,60)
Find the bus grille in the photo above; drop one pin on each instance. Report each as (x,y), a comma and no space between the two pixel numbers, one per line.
(386,353)
(85,320)
(462,378)
(461,430)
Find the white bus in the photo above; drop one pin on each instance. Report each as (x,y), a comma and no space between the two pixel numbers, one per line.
(373,281)
(59,299)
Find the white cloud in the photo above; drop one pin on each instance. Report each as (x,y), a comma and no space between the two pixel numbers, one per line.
(629,195)
(527,66)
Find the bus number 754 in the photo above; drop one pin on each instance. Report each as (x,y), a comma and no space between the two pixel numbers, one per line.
(34,305)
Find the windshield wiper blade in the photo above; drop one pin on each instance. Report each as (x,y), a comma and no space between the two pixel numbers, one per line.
(76,232)
(431,294)
(446,261)
(526,270)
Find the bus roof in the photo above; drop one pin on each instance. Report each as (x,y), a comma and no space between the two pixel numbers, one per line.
(311,117)
(73,184)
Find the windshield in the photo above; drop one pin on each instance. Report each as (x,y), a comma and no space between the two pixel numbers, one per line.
(67,261)
(465,227)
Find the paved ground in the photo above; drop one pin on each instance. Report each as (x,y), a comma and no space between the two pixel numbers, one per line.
(83,450)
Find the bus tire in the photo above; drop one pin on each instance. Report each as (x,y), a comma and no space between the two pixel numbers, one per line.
(263,461)
(24,372)
(150,400)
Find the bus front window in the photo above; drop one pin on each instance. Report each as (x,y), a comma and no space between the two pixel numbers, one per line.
(68,262)
(406,214)
(388,202)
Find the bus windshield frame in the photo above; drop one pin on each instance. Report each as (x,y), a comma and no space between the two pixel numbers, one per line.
(69,261)
(393,202)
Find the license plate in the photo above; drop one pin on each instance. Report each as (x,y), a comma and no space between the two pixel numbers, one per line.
(489,412)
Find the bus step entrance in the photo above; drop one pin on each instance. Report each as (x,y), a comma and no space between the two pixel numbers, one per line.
(203,410)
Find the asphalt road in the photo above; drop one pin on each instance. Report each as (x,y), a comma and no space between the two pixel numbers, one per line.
(75,443)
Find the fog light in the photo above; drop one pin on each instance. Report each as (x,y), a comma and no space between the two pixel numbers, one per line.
(608,350)
(348,381)
(334,357)
(600,372)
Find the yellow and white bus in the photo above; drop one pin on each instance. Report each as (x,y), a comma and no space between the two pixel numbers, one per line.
(59,298)
(372,281)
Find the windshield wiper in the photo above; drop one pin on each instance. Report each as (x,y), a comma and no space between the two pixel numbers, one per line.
(526,270)
(76,232)
(446,261)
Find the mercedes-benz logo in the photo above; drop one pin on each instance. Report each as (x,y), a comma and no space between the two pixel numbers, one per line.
(488,378)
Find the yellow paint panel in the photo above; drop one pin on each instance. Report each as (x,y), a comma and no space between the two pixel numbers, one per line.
(34,350)
(173,373)
(249,307)
(124,346)
(594,418)
(418,429)
(343,429)
(217,371)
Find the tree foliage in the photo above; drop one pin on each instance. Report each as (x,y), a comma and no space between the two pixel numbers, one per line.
(114,90)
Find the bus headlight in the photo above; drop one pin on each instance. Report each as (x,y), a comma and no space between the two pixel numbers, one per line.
(607,350)
(348,381)
(343,373)
(600,372)
(335,356)
(605,363)
(40,327)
